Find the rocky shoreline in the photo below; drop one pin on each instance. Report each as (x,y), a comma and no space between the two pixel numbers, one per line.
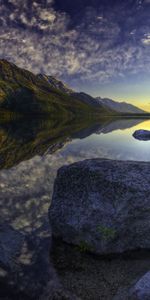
(98,238)
(102,206)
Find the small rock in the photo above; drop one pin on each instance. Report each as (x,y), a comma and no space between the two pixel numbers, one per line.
(141,290)
(142,135)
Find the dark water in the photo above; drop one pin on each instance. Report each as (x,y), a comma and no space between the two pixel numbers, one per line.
(31,151)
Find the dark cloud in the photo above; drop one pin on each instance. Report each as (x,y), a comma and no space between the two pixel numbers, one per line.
(85,40)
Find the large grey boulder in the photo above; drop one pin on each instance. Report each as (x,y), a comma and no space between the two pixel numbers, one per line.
(102,206)
(142,135)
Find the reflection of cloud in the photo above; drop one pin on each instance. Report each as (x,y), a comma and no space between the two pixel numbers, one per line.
(99,47)
(26,192)
(146,39)
(26,189)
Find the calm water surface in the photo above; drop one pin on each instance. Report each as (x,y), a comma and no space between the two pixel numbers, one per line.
(30,156)
(32,152)
(111,143)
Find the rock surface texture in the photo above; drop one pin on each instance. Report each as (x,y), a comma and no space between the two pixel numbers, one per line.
(140,290)
(103,206)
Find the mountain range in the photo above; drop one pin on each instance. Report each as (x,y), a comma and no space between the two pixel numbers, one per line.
(121,107)
(23,92)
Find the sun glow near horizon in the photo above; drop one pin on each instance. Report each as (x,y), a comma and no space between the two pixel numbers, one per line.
(133,92)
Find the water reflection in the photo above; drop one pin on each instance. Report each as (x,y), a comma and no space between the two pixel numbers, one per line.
(23,139)
(26,188)
(30,155)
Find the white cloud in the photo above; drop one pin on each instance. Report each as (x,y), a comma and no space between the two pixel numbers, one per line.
(98,48)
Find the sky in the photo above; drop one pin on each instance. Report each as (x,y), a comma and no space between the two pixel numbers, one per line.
(101,47)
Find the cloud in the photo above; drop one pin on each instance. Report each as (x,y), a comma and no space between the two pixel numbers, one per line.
(105,43)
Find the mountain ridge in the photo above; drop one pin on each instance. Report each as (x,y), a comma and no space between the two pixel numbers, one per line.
(23,92)
(120,107)
(26,93)
(56,83)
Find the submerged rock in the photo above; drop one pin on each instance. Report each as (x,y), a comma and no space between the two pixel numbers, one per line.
(24,273)
(140,290)
(142,135)
(26,267)
(11,242)
(102,206)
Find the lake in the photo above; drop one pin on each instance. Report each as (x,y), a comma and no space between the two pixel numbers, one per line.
(31,152)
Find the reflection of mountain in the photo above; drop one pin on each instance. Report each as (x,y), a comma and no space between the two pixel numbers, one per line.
(119,124)
(106,126)
(23,139)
